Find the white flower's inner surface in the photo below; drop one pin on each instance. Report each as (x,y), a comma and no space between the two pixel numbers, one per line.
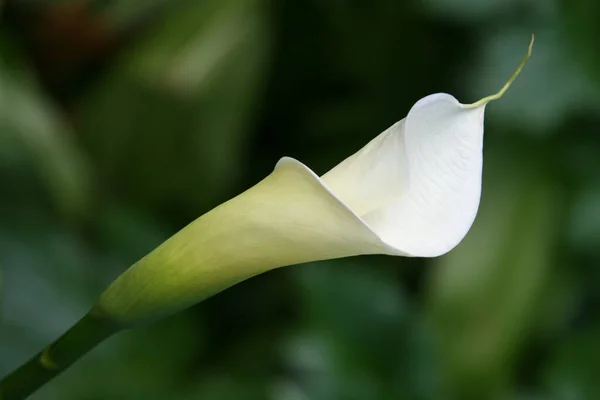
(373,177)
(418,184)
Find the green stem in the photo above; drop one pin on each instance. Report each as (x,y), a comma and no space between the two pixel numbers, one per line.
(58,356)
(514,76)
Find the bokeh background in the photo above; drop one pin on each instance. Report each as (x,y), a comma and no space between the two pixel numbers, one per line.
(122,121)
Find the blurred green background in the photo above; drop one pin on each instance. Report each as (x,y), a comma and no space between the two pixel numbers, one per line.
(122,121)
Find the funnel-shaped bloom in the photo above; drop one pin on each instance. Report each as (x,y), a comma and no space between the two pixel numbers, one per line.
(412,191)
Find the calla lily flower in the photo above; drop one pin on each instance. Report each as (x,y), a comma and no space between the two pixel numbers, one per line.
(412,191)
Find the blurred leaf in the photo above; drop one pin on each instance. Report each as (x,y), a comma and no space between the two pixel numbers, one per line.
(581,29)
(322,370)
(583,230)
(573,371)
(32,132)
(224,386)
(128,14)
(128,233)
(484,295)
(337,294)
(361,339)
(46,271)
(474,11)
(467,10)
(168,124)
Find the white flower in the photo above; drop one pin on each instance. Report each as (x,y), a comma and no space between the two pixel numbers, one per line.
(413,191)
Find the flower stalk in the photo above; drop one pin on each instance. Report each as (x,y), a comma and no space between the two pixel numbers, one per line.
(56,357)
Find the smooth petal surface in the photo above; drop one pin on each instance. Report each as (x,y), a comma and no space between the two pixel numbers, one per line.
(418,184)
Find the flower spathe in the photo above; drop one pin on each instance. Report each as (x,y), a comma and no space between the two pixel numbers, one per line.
(413,191)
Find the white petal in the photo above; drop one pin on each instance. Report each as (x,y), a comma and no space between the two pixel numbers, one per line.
(374,176)
(418,184)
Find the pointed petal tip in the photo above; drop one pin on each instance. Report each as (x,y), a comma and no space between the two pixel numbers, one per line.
(507,85)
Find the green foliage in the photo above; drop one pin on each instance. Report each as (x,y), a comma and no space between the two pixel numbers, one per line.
(485,295)
(35,137)
(200,66)
(122,121)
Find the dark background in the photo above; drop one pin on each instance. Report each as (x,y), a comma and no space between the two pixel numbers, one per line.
(122,121)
